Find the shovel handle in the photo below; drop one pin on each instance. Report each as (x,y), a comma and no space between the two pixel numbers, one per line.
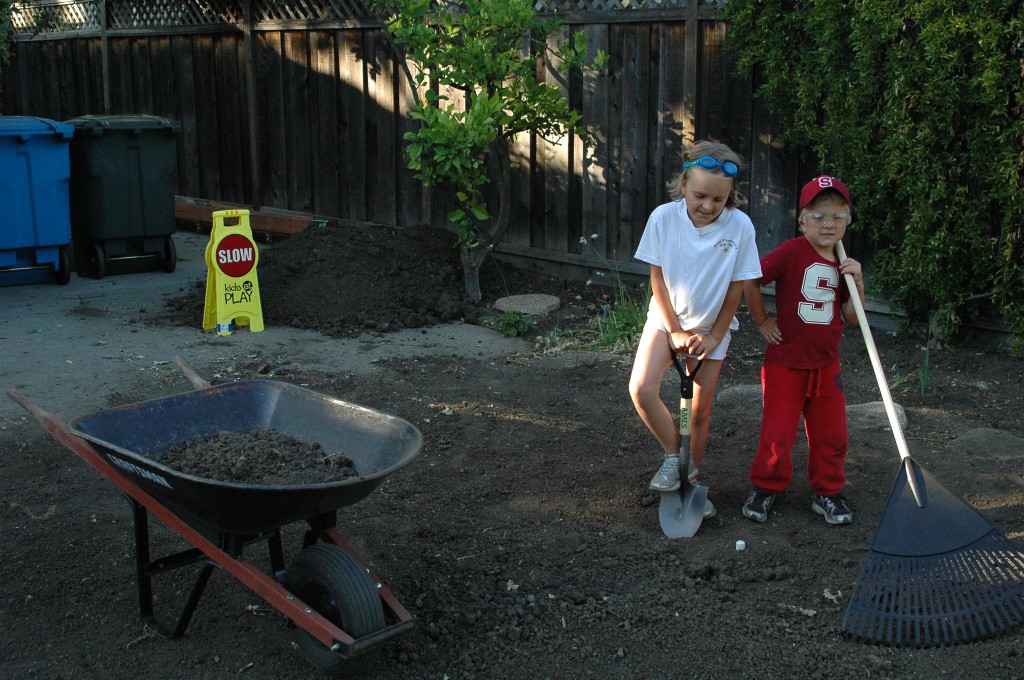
(876,364)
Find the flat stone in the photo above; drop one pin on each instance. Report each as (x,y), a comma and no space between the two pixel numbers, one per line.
(528,304)
(873,416)
(988,442)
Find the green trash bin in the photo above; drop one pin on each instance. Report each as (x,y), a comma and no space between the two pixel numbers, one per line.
(124,175)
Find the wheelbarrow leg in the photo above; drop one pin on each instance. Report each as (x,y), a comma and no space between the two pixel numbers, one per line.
(144,570)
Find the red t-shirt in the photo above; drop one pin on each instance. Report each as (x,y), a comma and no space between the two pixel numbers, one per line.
(809,292)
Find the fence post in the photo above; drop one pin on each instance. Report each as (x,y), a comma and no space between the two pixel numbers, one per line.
(105,57)
(250,85)
(691,71)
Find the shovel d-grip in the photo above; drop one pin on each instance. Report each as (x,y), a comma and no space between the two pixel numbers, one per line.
(685,375)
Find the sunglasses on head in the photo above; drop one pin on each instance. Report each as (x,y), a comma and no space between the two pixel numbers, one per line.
(708,163)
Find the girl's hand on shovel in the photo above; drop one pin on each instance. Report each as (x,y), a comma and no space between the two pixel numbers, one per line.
(679,340)
(701,344)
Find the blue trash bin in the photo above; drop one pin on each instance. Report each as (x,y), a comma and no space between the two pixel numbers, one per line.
(35,218)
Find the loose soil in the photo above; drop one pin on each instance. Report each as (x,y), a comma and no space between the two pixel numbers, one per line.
(523,537)
(260,457)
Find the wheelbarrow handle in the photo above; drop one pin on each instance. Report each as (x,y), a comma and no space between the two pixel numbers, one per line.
(49,421)
(53,424)
(197,381)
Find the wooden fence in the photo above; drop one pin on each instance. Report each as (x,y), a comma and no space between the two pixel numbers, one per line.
(305,111)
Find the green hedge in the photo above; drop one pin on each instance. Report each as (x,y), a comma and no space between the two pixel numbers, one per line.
(918,106)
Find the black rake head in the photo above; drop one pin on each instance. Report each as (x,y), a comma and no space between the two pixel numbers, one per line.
(936,575)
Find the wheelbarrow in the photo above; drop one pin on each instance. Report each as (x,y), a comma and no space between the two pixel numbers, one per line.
(340,610)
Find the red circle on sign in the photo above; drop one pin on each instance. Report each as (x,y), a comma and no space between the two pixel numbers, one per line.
(235,255)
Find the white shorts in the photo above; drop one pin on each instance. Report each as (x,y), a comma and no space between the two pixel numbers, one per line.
(718,353)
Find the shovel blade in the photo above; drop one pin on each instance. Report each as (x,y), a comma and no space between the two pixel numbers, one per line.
(682,511)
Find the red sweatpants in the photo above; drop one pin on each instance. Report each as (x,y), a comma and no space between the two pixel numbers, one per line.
(817,394)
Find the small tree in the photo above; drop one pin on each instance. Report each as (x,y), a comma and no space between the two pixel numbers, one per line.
(487,51)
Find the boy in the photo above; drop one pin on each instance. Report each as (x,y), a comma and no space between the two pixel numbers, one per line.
(801,374)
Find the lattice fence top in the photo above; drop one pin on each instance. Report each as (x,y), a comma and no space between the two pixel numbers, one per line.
(553,6)
(32,17)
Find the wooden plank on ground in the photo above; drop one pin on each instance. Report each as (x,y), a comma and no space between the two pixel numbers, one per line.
(265,220)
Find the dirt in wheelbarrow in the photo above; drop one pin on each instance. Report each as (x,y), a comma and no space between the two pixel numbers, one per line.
(265,457)
(523,538)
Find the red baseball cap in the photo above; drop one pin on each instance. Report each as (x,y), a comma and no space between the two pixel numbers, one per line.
(819,184)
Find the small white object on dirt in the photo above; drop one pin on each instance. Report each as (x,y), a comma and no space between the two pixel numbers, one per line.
(741,545)
(528,304)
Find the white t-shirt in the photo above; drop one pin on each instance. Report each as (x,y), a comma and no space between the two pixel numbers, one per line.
(698,264)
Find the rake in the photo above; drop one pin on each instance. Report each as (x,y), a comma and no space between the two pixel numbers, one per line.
(938,573)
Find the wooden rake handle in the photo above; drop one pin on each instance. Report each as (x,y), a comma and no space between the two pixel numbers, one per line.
(883,384)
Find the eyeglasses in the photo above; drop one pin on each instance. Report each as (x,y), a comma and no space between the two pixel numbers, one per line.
(708,163)
(839,219)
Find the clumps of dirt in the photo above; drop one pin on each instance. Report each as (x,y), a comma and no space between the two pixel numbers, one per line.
(264,457)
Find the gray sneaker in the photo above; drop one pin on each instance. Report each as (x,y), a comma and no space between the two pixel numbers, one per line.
(833,509)
(758,505)
(667,477)
(709,509)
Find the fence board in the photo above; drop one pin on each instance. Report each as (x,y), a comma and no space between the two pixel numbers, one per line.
(207,105)
(594,107)
(325,152)
(553,159)
(185,98)
(633,209)
(351,131)
(296,92)
(380,130)
(274,149)
(230,135)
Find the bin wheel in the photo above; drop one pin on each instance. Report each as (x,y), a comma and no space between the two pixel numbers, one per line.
(63,273)
(170,255)
(338,587)
(99,261)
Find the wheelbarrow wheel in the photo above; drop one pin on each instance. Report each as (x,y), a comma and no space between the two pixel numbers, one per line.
(337,586)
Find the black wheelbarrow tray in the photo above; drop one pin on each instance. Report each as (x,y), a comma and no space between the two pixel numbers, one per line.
(340,609)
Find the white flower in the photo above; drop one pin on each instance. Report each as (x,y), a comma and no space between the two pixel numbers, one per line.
(583,240)
(593,237)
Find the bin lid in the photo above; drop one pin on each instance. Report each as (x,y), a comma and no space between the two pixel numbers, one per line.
(130,122)
(27,126)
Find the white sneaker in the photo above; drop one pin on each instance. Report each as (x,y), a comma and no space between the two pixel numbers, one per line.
(667,477)
(709,509)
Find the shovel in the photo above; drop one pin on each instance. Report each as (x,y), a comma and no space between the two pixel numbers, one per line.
(682,511)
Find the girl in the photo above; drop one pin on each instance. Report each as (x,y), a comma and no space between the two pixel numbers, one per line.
(701,249)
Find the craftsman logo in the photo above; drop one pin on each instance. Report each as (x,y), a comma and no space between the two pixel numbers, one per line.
(141,472)
(236,255)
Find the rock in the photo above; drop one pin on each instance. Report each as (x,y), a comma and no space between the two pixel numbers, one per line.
(872,416)
(741,395)
(988,442)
